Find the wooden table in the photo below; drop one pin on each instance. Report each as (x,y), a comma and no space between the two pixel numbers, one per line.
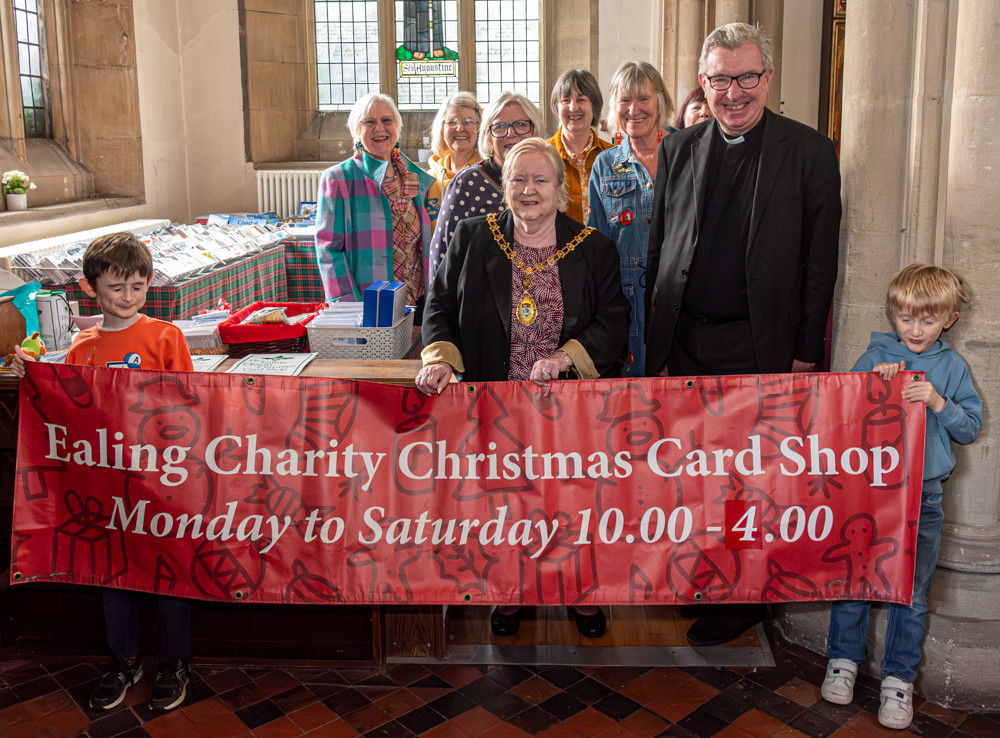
(398,371)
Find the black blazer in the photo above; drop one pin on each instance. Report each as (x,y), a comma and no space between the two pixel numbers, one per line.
(792,252)
(469,302)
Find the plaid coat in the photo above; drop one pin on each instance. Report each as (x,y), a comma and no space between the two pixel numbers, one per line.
(354,225)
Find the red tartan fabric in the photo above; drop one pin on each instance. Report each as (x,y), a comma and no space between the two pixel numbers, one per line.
(304,281)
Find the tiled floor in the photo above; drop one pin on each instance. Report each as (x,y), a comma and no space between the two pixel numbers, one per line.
(459,701)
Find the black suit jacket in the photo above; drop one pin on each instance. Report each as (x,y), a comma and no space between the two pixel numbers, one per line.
(791,259)
(469,302)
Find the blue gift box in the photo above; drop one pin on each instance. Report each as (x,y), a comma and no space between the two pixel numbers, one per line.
(369,317)
(391,304)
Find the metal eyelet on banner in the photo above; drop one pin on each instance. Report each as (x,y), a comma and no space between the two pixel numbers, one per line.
(238,595)
(916,378)
(698,596)
(471,388)
(689,383)
(467,597)
(250,380)
(17,576)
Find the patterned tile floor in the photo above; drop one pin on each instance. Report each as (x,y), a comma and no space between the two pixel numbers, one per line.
(461,701)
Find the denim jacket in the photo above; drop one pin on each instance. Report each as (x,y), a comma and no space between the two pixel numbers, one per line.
(621,204)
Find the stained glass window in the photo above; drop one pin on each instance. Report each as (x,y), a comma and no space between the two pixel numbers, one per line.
(426,53)
(28,25)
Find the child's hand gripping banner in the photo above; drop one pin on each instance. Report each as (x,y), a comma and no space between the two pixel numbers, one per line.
(762,488)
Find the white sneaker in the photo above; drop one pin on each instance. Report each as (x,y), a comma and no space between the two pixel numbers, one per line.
(897,703)
(838,686)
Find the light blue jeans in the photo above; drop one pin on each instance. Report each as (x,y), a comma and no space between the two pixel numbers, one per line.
(907,624)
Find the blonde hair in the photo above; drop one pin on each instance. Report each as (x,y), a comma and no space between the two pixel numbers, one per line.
(363,106)
(925,289)
(536,146)
(629,80)
(531,112)
(464,100)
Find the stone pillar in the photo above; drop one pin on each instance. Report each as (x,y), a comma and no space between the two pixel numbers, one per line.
(682,46)
(770,14)
(571,43)
(918,160)
(731,11)
(873,164)
(971,243)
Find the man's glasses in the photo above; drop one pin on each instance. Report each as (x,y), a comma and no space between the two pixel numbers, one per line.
(370,123)
(722,82)
(464,122)
(500,130)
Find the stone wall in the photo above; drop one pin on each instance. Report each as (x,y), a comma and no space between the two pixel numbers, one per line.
(918,160)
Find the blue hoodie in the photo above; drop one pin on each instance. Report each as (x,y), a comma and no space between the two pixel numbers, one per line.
(962,415)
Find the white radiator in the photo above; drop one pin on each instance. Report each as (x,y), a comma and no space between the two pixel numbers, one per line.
(281,190)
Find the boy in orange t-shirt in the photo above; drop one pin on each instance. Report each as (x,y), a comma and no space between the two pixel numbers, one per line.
(117,271)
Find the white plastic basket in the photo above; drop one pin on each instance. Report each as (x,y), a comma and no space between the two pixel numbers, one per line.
(347,342)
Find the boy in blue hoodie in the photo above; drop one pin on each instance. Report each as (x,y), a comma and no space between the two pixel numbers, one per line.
(923,301)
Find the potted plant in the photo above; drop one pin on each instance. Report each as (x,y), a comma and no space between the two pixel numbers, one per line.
(423,147)
(15,189)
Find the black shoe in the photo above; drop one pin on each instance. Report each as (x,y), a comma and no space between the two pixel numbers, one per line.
(110,691)
(505,625)
(730,622)
(591,626)
(170,689)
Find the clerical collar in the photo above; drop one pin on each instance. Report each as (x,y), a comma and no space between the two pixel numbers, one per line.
(754,135)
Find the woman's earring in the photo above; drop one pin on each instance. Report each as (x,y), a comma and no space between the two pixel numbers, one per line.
(357,150)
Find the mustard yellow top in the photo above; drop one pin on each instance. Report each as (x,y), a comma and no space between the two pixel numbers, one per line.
(578,172)
(440,167)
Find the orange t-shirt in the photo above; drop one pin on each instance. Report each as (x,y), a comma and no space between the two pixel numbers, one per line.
(146,344)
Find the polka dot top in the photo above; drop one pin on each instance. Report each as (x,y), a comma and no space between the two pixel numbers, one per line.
(476,190)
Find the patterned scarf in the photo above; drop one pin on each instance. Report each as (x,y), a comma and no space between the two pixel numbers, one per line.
(406,262)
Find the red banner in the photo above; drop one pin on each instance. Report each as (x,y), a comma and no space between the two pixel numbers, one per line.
(301,490)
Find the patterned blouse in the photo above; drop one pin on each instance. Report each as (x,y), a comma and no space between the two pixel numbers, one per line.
(529,343)
(578,173)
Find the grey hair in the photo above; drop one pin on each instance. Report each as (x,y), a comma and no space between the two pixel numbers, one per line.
(536,145)
(462,99)
(363,106)
(734,36)
(506,97)
(585,82)
(630,79)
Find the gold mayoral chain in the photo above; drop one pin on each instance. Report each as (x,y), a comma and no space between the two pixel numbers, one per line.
(527,310)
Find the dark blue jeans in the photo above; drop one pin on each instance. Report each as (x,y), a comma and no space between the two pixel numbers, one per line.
(907,624)
(121,616)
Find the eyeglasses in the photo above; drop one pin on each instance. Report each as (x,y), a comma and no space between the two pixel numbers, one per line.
(722,82)
(370,123)
(501,130)
(464,122)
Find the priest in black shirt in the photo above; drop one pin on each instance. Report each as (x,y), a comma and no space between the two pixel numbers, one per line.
(743,244)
